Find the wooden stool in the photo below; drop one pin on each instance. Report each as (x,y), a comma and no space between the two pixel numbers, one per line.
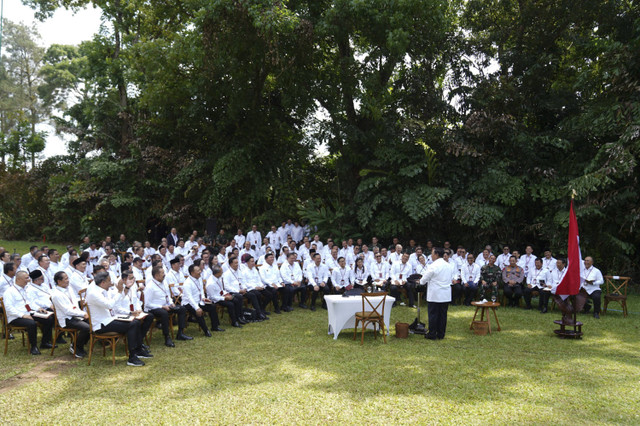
(484,307)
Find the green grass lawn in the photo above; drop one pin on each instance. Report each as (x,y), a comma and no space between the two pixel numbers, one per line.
(22,247)
(289,370)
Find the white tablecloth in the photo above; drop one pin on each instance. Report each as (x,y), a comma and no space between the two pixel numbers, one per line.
(342,311)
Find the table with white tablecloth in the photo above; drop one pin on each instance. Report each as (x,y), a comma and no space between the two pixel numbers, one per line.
(342,311)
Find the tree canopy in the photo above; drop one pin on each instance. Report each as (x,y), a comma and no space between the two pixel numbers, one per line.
(469,121)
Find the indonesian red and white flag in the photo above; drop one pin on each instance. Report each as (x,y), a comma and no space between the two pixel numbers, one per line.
(570,282)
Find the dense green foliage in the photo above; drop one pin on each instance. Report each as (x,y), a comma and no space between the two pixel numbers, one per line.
(471,121)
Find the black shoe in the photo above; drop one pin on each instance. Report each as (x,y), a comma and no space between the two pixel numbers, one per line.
(543,311)
(134,361)
(312,307)
(11,337)
(169,343)
(264,317)
(146,348)
(426,336)
(143,354)
(207,333)
(266,312)
(182,336)
(596,316)
(34,350)
(236,324)
(243,321)
(303,306)
(218,329)
(290,309)
(47,346)
(277,311)
(61,340)
(80,354)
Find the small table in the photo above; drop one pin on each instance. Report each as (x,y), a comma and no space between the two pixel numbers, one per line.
(485,306)
(342,312)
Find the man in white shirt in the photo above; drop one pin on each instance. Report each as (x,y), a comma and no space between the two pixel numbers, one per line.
(43,266)
(483,258)
(379,271)
(503,259)
(69,314)
(29,257)
(159,303)
(102,321)
(219,295)
(470,276)
(247,250)
(527,262)
(318,243)
(254,236)
(196,303)
(548,261)
(64,259)
(438,279)
(400,271)
(274,239)
(38,294)
(240,238)
(291,275)
(283,233)
(342,277)
(536,281)
(6,281)
(318,279)
(592,279)
(54,264)
(20,313)
(235,284)
(297,232)
(78,278)
(396,256)
(270,276)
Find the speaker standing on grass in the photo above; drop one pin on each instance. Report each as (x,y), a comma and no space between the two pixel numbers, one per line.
(438,279)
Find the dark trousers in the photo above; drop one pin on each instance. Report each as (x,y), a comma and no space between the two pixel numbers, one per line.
(543,302)
(234,307)
(83,328)
(273,294)
(513,294)
(437,319)
(32,328)
(321,290)
(456,292)
(409,287)
(132,329)
(470,292)
(264,297)
(289,291)
(252,297)
(596,296)
(163,317)
(213,316)
(146,324)
(528,294)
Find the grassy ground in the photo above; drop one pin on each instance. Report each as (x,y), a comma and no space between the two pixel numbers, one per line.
(22,247)
(288,370)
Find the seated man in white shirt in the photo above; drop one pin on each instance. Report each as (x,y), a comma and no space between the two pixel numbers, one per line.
(253,283)
(270,276)
(234,283)
(317,276)
(592,279)
(69,314)
(400,271)
(159,303)
(194,300)
(78,278)
(254,236)
(20,313)
(219,295)
(247,250)
(342,277)
(548,261)
(131,303)
(102,321)
(396,256)
(503,259)
(291,274)
(536,281)
(470,277)
(379,271)
(240,238)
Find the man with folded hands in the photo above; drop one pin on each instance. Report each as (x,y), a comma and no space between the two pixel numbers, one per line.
(194,300)
(69,314)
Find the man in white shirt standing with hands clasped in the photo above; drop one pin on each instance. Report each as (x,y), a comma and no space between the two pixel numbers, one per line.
(438,280)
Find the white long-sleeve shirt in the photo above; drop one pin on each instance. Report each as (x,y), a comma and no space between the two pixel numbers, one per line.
(360,275)
(536,275)
(233,281)
(5,283)
(66,305)
(274,240)
(193,294)
(291,273)
(157,295)
(401,271)
(255,238)
(240,239)
(317,275)
(78,281)
(379,271)
(341,277)
(215,289)
(100,305)
(591,274)
(470,272)
(39,296)
(16,303)
(251,278)
(270,275)
(438,276)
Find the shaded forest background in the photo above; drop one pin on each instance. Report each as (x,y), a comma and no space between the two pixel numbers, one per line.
(471,121)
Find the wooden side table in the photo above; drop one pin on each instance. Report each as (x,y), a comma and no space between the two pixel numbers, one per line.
(485,307)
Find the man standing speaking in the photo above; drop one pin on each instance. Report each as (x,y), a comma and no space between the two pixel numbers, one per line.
(438,280)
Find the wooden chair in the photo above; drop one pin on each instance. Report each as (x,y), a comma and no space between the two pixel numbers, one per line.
(112,338)
(616,293)
(8,328)
(82,294)
(58,330)
(372,316)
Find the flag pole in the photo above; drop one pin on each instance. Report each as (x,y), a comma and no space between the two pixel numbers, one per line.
(573,297)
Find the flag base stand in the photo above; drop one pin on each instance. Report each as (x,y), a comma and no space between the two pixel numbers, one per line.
(416,326)
(570,327)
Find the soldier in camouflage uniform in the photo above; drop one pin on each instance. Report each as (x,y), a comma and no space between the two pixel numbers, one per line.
(122,245)
(85,244)
(221,239)
(490,277)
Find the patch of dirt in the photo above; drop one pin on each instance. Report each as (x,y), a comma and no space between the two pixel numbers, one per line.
(44,371)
